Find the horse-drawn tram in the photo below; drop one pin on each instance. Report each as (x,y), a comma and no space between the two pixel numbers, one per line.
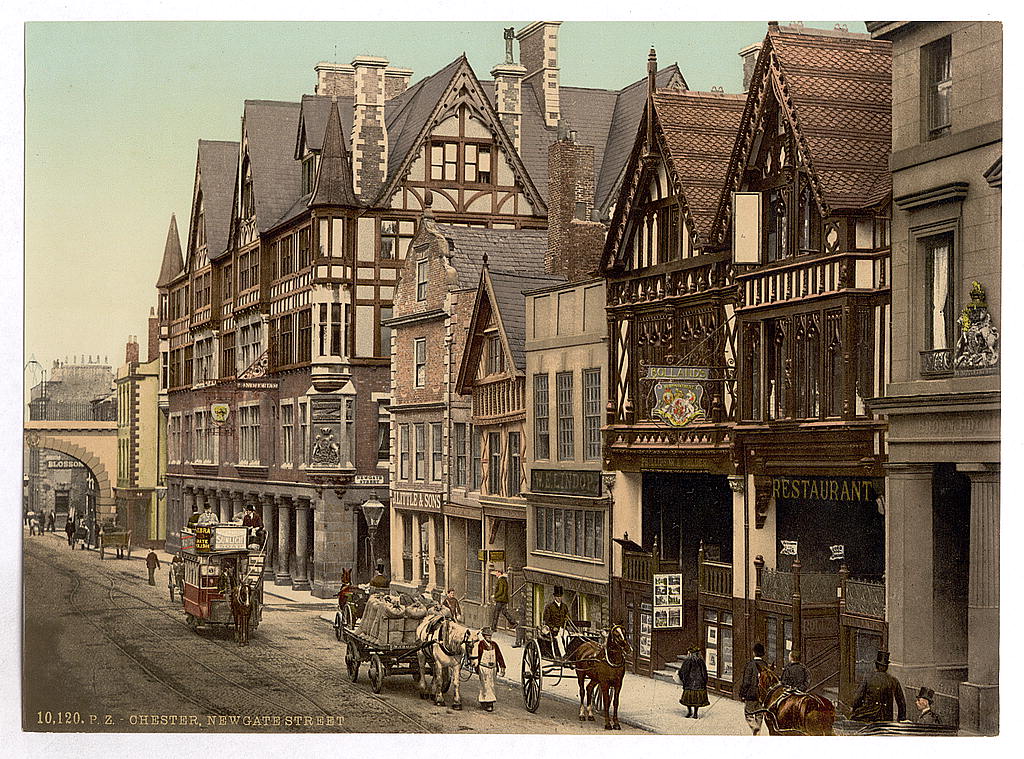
(223,577)
(587,654)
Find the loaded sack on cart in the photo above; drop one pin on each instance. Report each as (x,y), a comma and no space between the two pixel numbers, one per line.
(390,622)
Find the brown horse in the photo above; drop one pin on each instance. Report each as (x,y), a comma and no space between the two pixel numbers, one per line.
(241,610)
(604,666)
(792,712)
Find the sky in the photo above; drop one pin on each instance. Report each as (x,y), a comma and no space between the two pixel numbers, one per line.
(114,110)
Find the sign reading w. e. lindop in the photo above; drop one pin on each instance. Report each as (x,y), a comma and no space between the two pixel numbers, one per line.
(566,482)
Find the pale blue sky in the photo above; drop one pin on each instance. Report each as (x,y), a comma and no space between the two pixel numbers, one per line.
(114,110)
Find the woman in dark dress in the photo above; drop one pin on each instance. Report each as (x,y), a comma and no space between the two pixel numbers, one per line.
(693,674)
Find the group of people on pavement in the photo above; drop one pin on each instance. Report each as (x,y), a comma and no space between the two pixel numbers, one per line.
(41,521)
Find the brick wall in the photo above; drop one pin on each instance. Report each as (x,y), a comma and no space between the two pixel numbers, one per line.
(574,244)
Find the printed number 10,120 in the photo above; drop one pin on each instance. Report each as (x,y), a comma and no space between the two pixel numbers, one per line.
(58,718)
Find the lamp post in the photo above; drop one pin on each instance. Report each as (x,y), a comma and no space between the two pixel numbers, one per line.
(373,510)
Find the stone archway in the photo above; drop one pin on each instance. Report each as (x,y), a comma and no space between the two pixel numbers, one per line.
(92,443)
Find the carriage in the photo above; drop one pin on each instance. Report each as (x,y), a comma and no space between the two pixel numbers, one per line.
(117,539)
(223,563)
(540,660)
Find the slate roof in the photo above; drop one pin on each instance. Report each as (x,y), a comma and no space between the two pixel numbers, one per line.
(270,127)
(700,130)
(334,180)
(218,168)
(508,288)
(518,250)
(171,266)
(314,120)
(841,88)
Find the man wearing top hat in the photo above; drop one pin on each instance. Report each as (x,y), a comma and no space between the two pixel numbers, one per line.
(873,702)
(556,614)
(925,697)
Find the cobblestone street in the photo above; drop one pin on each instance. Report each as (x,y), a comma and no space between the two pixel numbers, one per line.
(107,652)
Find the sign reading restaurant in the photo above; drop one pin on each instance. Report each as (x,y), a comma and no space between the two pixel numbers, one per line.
(416,499)
(863,490)
(566,482)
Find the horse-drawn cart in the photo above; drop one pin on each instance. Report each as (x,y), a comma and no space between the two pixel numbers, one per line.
(382,659)
(541,659)
(116,538)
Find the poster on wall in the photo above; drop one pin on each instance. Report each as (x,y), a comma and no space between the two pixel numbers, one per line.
(668,601)
(712,636)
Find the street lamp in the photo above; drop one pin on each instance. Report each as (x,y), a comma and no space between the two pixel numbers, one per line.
(373,510)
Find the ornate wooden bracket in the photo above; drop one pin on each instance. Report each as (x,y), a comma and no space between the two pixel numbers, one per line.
(762,499)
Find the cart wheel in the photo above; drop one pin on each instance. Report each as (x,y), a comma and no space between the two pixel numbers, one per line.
(376,673)
(532,676)
(192,622)
(352,660)
(337,626)
(346,616)
(598,700)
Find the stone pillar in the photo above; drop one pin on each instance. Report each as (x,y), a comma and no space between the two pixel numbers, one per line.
(237,504)
(217,502)
(300,579)
(266,503)
(284,542)
(909,573)
(188,501)
(431,547)
(979,696)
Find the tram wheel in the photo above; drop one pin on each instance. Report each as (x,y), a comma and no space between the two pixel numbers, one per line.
(352,660)
(532,676)
(376,673)
(192,622)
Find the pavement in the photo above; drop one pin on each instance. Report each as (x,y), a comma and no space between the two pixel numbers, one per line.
(648,704)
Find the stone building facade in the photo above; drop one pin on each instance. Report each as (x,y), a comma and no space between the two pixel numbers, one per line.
(943,401)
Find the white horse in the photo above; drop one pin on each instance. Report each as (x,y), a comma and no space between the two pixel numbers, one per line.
(444,643)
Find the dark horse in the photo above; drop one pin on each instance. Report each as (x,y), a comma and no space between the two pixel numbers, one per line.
(792,712)
(603,665)
(241,610)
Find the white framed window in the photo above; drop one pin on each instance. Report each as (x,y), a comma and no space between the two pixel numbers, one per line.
(420,451)
(287,429)
(563,403)
(422,269)
(419,369)
(592,414)
(249,434)
(541,433)
(435,451)
(403,451)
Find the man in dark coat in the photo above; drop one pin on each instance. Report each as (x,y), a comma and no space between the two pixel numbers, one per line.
(69,528)
(379,581)
(795,674)
(749,691)
(925,696)
(693,674)
(152,564)
(500,596)
(556,614)
(873,702)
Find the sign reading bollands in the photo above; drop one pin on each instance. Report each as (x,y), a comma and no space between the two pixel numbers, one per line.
(678,403)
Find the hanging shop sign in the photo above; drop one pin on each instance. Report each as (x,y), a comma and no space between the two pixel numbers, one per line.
(566,482)
(220,412)
(368,479)
(491,555)
(668,601)
(837,553)
(789,548)
(678,395)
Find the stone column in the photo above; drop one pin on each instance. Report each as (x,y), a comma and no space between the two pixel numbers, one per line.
(237,504)
(300,579)
(217,502)
(979,696)
(284,542)
(188,501)
(909,573)
(431,547)
(266,503)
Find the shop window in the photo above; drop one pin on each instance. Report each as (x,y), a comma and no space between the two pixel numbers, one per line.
(406,547)
(474,567)
(718,644)
(569,532)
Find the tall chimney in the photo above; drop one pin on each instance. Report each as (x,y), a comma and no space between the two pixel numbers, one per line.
(369,133)
(396,81)
(574,242)
(538,53)
(153,338)
(131,351)
(337,79)
(508,92)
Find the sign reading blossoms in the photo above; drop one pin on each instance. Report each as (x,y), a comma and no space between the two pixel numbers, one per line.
(678,403)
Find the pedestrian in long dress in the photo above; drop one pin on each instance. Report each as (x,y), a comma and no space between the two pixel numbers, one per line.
(693,674)
(489,665)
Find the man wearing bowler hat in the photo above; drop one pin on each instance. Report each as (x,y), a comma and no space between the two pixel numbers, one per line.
(925,697)
(873,702)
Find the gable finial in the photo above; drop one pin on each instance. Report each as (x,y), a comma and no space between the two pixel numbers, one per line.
(485,259)
(510,34)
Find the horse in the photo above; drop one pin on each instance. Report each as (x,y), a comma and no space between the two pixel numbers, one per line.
(792,712)
(241,609)
(604,665)
(443,645)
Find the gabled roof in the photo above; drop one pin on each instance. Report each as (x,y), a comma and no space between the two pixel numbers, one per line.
(270,128)
(519,250)
(501,294)
(835,91)
(172,266)
(217,164)
(334,178)
(314,110)
(695,133)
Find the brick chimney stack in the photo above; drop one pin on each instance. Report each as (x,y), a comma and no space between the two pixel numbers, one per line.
(508,92)
(131,350)
(339,80)
(538,53)
(574,242)
(369,133)
(153,341)
(749,56)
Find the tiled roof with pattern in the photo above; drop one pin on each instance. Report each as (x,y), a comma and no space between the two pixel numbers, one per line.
(519,250)
(842,94)
(218,167)
(508,287)
(270,127)
(700,131)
